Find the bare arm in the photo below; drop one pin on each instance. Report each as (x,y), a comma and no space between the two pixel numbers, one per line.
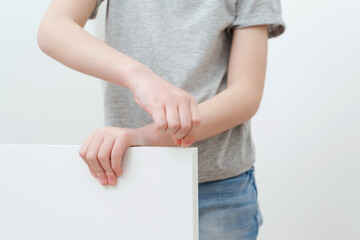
(62,37)
(231,107)
(61,32)
(239,101)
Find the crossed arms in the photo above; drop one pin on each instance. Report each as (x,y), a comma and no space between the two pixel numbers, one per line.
(178,119)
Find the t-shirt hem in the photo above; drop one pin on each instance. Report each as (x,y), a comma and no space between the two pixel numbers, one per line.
(276,25)
(220,175)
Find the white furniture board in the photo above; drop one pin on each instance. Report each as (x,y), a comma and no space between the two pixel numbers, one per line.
(47,192)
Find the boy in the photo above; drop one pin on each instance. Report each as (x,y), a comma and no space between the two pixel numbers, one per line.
(177,73)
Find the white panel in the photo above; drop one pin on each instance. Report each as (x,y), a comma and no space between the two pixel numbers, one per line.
(47,192)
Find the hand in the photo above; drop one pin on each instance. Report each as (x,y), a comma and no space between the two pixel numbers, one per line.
(173,110)
(103,151)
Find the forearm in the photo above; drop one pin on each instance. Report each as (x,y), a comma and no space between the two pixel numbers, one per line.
(240,101)
(67,42)
(231,107)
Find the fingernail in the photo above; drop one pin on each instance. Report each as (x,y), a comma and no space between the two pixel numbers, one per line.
(103,181)
(185,144)
(111,181)
(118,174)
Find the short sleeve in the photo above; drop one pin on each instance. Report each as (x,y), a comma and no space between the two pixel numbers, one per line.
(259,12)
(94,13)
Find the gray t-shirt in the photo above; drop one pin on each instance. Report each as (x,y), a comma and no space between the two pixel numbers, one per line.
(187,42)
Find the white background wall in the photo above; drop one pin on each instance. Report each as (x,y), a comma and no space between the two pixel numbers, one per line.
(306,131)
(41,100)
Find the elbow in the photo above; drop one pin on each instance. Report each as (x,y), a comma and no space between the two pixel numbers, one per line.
(48,34)
(255,109)
(42,38)
(253,105)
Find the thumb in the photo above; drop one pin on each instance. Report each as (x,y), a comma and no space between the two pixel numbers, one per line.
(177,141)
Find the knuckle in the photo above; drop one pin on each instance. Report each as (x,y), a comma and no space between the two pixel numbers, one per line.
(91,157)
(82,153)
(102,156)
(174,125)
(186,126)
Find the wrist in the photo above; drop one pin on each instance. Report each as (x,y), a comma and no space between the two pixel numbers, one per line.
(125,71)
(149,135)
(143,136)
(137,139)
(136,74)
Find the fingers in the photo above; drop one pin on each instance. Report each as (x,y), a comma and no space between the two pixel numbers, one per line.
(83,150)
(93,173)
(117,155)
(172,117)
(195,116)
(103,150)
(159,118)
(92,157)
(176,141)
(104,156)
(185,121)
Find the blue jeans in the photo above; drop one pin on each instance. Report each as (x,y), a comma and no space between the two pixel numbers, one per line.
(229,209)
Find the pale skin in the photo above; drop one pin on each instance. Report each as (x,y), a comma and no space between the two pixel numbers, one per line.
(179,122)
